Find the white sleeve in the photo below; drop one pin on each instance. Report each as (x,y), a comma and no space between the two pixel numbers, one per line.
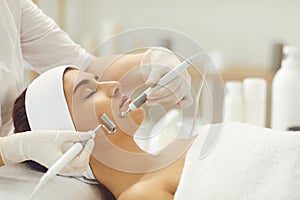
(44,45)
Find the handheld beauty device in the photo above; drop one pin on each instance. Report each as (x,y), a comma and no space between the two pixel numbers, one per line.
(140,100)
(108,125)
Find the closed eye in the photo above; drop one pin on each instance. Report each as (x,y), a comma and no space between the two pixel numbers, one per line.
(84,82)
(91,93)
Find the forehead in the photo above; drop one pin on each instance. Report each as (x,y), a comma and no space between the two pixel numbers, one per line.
(73,76)
(70,78)
(70,75)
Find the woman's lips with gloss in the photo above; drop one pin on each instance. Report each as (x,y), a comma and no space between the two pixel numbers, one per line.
(126,105)
(125,101)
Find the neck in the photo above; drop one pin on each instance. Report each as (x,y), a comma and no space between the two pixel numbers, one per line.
(105,161)
(108,152)
(116,181)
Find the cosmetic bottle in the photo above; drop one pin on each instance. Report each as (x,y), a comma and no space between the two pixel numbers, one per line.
(285,109)
(233,102)
(255,98)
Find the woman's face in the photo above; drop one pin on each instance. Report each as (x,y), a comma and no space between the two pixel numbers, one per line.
(88,99)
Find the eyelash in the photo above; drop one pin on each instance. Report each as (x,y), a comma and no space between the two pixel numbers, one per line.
(92,93)
(87,92)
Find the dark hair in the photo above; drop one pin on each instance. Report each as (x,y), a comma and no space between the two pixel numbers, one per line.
(21,124)
(19,114)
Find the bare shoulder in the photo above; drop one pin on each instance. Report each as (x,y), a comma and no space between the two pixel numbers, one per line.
(157,185)
(146,190)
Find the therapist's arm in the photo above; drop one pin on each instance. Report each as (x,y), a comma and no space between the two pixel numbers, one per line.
(44,45)
(1,161)
(114,67)
(44,147)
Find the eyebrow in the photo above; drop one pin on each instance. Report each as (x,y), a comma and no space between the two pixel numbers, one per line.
(83,82)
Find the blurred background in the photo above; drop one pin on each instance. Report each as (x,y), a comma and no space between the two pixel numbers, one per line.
(244,38)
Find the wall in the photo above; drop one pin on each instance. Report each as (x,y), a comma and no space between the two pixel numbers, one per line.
(241,33)
(244,32)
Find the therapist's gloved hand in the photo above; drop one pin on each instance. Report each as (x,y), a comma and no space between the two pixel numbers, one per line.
(156,62)
(46,147)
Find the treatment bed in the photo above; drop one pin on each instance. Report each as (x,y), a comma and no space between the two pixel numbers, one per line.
(18,181)
(226,161)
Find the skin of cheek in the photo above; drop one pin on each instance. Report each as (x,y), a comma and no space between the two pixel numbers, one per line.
(81,111)
(86,114)
(84,117)
(125,127)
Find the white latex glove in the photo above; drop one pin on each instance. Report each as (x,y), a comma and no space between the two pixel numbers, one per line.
(156,62)
(45,147)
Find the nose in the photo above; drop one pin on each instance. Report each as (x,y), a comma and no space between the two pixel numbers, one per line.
(111,88)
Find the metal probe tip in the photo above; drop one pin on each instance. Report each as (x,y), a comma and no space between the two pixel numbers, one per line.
(123,114)
(97,128)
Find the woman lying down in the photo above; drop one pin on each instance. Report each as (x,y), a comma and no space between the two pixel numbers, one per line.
(225,161)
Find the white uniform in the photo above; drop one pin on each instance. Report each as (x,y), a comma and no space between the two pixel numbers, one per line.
(27,34)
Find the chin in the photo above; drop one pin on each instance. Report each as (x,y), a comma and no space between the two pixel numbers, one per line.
(138,116)
(131,122)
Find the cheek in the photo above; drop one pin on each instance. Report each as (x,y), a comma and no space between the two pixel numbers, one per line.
(86,112)
(103,105)
(128,124)
(138,116)
(84,115)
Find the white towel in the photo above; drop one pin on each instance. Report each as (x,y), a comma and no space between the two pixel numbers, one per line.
(247,163)
(18,181)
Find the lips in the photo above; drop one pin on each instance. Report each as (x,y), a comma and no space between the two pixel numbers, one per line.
(124,98)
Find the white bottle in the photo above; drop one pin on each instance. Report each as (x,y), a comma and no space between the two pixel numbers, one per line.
(233,102)
(255,98)
(285,111)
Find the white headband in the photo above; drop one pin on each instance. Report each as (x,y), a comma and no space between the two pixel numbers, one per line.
(45,102)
